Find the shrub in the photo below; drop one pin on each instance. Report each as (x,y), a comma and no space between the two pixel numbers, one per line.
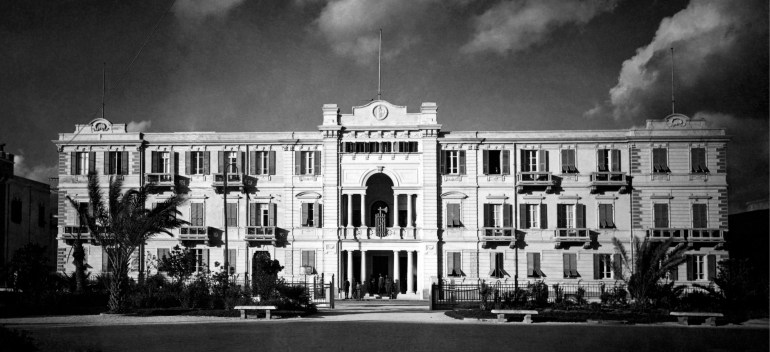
(539,293)
(616,297)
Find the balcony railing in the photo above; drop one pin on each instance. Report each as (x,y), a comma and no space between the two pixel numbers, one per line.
(233,180)
(260,233)
(706,235)
(193,233)
(534,178)
(497,234)
(608,179)
(571,235)
(160,179)
(687,234)
(662,234)
(71,233)
(386,233)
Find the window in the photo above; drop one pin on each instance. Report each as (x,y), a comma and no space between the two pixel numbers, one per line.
(570,266)
(453,218)
(406,147)
(16,210)
(196,214)
(567,161)
(533,216)
(310,216)
(163,252)
(162,162)
(232,259)
(570,216)
(698,161)
(231,159)
(41,215)
(116,163)
(497,264)
(660,160)
(82,162)
(699,216)
(660,213)
(606,216)
(308,260)
(232,214)
(497,215)
(83,208)
(201,260)
(454,264)
(453,162)
(307,163)
(603,267)
(701,267)
(608,160)
(107,263)
(262,163)
(196,163)
(534,161)
(533,265)
(497,162)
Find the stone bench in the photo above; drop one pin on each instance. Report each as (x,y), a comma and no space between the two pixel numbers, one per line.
(501,313)
(267,310)
(711,318)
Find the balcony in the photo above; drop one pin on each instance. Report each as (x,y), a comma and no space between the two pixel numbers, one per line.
(663,234)
(260,234)
(193,233)
(535,179)
(160,179)
(609,179)
(706,235)
(564,235)
(233,180)
(387,233)
(689,235)
(71,233)
(497,235)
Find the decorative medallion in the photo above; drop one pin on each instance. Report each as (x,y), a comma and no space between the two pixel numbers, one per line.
(380,112)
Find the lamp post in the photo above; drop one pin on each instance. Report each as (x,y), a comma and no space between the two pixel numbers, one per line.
(224,197)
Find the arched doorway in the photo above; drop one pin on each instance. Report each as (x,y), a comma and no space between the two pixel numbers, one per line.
(379,195)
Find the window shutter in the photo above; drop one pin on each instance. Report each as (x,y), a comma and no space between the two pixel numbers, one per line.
(298,163)
(565,264)
(254,163)
(601,161)
(542,162)
(674,274)
(272,214)
(712,266)
(73,163)
(485,157)
(462,163)
(232,214)
(597,260)
(172,162)
(561,216)
(617,265)
(206,163)
(91,162)
(450,263)
(154,161)
(443,162)
(524,162)
(487,215)
(106,169)
(232,257)
(616,160)
(124,163)
(690,268)
(523,216)
(539,272)
(506,162)
(663,159)
(449,215)
(239,162)
(304,214)
(205,257)
(492,263)
(187,163)
(573,265)
(271,166)
(664,215)
(581,216)
(507,211)
(602,216)
(311,259)
(253,217)
(316,215)
(565,158)
(220,162)
(543,216)
(317,163)
(531,264)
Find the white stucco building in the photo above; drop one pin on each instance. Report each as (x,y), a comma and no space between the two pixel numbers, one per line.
(384,191)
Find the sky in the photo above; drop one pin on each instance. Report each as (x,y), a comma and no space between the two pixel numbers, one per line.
(243,65)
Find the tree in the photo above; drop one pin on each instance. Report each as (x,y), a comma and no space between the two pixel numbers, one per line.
(30,270)
(264,279)
(652,262)
(179,264)
(122,224)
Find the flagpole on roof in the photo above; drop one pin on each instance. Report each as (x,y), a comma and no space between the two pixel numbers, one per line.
(379,67)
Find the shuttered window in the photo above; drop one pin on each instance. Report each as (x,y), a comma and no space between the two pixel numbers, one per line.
(452,162)
(307,163)
(532,216)
(533,266)
(82,162)
(603,268)
(116,163)
(196,214)
(568,165)
(699,216)
(660,213)
(262,162)
(195,163)
(232,257)
(660,160)
(453,215)
(608,160)
(606,216)
(570,266)
(232,214)
(454,264)
(497,265)
(201,260)
(308,259)
(698,160)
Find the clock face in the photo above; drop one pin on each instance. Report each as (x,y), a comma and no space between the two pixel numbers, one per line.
(380,112)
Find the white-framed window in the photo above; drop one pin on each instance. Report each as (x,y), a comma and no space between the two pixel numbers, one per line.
(114,163)
(308,260)
(570,215)
(660,160)
(196,161)
(264,214)
(497,215)
(231,159)
(533,216)
(81,163)
(201,259)
(264,158)
(165,162)
(453,162)
(698,161)
(605,266)
(660,215)
(530,160)
(699,267)
(309,162)
(454,264)
(453,215)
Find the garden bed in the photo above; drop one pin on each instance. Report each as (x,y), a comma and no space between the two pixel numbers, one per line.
(574,315)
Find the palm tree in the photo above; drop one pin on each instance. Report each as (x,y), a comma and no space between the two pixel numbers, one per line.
(652,262)
(122,224)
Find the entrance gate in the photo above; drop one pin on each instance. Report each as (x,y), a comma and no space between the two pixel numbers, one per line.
(381,222)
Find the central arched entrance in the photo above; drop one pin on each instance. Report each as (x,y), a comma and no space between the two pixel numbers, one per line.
(379,199)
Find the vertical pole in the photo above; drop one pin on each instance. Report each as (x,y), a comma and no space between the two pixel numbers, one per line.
(350,210)
(224,207)
(409,272)
(363,269)
(363,210)
(396,271)
(673,102)
(104,84)
(379,65)
(350,272)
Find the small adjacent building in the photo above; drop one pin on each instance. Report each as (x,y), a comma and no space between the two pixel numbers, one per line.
(381,191)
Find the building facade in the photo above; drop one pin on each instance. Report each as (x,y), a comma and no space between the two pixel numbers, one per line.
(383,191)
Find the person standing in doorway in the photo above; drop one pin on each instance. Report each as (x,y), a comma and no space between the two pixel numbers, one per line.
(346,287)
(372,286)
(380,285)
(388,286)
(360,290)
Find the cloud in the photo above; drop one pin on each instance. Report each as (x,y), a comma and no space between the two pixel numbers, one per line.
(200,9)
(140,126)
(513,26)
(39,173)
(351,26)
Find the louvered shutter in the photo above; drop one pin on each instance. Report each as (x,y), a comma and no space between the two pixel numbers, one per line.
(543,216)
(254,164)
(524,162)
(674,273)
(506,162)
(206,163)
(154,161)
(316,215)
(450,263)
(304,214)
(221,162)
(239,162)
(561,216)
(317,163)
(253,217)
(488,215)
(573,265)
(581,216)
(542,161)
(172,162)
(523,216)
(188,163)
(690,268)
(298,164)
(565,160)
(615,160)
(597,269)
(507,215)
(531,265)
(601,159)
(272,215)
(565,265)
(91,162)
(205,259)
(485,156)
(712,266)
(443,162)
(271,166)
(73,163)
(462,163)
(106,161)
(617,265)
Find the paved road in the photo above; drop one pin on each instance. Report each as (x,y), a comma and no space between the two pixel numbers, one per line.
(318,334)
